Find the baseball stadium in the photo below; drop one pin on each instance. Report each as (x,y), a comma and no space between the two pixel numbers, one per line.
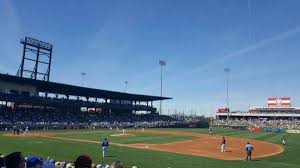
(59,121)
(46,123)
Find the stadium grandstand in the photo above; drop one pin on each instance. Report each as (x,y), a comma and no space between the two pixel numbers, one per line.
(31,99)
(278,116)
(277,108)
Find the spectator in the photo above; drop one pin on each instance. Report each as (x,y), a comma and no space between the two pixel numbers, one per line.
(116,164)
(34,162)
(48,165)
(1,160)
(15,160)
(83,161)
(70,165)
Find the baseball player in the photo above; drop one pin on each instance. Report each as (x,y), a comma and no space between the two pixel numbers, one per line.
(15,129)
(249,149)
(26,130)
(124,131)
(283,140)
(223,144)
(210,130)
(105,145)
(18,131)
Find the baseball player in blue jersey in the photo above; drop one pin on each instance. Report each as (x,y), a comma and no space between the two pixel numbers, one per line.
(249,149)
(105,145)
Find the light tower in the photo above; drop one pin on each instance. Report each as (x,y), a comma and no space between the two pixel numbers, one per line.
(82,78)
(38,54)
(227,71)
(162,64)
(126,84)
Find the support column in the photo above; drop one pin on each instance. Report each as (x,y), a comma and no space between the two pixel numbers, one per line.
(23,57)
(37,63)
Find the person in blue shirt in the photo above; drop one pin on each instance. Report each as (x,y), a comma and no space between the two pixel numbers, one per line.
(249,149)
(105,145)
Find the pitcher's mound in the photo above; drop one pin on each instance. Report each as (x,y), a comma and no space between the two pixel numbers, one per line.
(121,135)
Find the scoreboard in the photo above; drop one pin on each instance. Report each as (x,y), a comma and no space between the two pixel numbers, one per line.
(279,102)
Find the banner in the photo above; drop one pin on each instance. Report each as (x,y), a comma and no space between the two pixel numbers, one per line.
(278,130)
(293,131)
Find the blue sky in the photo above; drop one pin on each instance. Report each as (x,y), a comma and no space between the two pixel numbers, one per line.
(116,41)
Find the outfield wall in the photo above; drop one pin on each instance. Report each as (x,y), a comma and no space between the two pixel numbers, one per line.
(239,127)
(278,130)
(293,131)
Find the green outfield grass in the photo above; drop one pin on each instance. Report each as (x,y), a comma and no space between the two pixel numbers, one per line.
(134,137)
(66,150)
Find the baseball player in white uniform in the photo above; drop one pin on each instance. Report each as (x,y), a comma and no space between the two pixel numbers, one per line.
(223,145)
(26,130)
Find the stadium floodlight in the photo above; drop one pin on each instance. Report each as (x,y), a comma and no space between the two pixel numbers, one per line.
(82,79)
(126,83)
(227,71)
(37,43)
(161,63)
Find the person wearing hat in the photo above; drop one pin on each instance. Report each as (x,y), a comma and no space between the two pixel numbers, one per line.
(14,160)
(34,162)
(249,149)
(105,145)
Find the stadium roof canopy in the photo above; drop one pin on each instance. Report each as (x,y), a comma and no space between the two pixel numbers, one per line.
(66,89)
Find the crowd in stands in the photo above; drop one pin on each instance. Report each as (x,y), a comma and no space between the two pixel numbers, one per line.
(17,160)
(261,123)
(53,101)
(44,119)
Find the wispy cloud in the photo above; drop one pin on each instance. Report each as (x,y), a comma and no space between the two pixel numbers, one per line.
(221,59)
(248,49)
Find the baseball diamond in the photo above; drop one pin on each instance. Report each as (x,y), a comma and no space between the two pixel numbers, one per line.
(165,143)
(149,84)
(203,145)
